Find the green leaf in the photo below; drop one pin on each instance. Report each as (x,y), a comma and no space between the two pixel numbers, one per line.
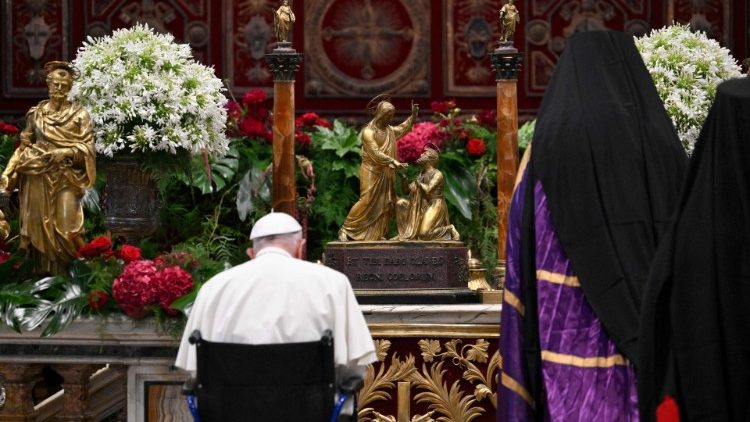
(460,189)
(223,170)
(254,186)
(184,303)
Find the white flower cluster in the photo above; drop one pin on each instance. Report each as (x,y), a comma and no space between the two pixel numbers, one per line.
(686,68)
(146,93)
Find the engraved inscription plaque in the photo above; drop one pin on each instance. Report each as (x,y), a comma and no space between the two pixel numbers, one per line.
(400,265)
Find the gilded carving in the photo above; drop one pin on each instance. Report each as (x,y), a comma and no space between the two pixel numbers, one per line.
(445,402)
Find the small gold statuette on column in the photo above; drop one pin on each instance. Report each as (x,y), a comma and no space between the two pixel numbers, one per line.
(509,18)
(284,62)
(424,216)
(52,168)
(370,218)
(283,20)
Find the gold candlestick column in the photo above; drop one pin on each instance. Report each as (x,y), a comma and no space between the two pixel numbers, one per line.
(506,62)
(284,62)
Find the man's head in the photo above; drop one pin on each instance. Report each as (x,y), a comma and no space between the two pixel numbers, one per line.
(429,156)
(279,230)
(60,77)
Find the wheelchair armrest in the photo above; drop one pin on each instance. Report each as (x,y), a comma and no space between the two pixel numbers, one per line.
(351,385)
(189,387)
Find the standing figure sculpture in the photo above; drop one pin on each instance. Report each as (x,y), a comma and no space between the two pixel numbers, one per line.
(283,20)
(370,217)
(52,168)
(509,18)
(424,216)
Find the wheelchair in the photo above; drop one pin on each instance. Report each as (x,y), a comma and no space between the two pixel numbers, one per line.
(267,382)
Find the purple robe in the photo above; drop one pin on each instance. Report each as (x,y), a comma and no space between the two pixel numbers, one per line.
(585,378)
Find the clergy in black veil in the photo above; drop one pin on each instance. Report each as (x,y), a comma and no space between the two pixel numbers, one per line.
(589,209)
(695,336)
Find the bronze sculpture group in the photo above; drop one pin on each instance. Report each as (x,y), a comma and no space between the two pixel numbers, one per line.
(424,216)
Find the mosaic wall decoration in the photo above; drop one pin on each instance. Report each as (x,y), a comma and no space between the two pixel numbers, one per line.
(360,48)
(471,33)
(188,20)
(34,32)
(548,23)
(709,16)
(248,35)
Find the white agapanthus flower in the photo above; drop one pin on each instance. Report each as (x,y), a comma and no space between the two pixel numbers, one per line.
(686,67)
(146,93)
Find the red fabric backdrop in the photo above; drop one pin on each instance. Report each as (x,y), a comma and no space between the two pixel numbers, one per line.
(354,49)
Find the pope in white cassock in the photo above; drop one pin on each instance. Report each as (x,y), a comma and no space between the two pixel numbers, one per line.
(278,298)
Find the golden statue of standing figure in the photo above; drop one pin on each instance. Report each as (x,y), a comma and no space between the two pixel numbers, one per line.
(52,168)
(283,20)
(424,216)
(509,19)
(370,218)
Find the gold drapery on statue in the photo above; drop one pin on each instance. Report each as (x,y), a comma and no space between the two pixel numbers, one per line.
(424,216)
(52,168)
(371,216)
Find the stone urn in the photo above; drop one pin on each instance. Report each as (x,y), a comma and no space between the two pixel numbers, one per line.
(131,199)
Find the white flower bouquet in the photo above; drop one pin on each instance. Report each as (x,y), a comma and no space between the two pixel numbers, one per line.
(686,68)
(146,93)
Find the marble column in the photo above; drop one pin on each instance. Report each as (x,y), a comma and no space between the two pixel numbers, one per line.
(506,62)
(284,62)
(76,379)
(18,383)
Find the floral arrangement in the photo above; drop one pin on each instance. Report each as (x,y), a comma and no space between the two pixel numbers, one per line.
(136,284)
(145,93)
(686,67)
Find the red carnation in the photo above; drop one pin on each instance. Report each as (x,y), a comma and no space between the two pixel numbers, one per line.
(182,259)
(135,288)
(309,118)
(233,110)
(8,128)
(97,299)
(487,117)
(301,139)
(442,107)
(323,122)
(172,283)
(475,147)
(129,253)
(96,247)
(252,127)
(254,96)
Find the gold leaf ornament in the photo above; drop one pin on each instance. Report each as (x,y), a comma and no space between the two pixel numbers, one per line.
(430,349)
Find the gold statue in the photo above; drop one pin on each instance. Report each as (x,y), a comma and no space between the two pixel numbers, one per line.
(424,216)
(4,227)
(371,216)
(52,168)
(283,20)
(509,18)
